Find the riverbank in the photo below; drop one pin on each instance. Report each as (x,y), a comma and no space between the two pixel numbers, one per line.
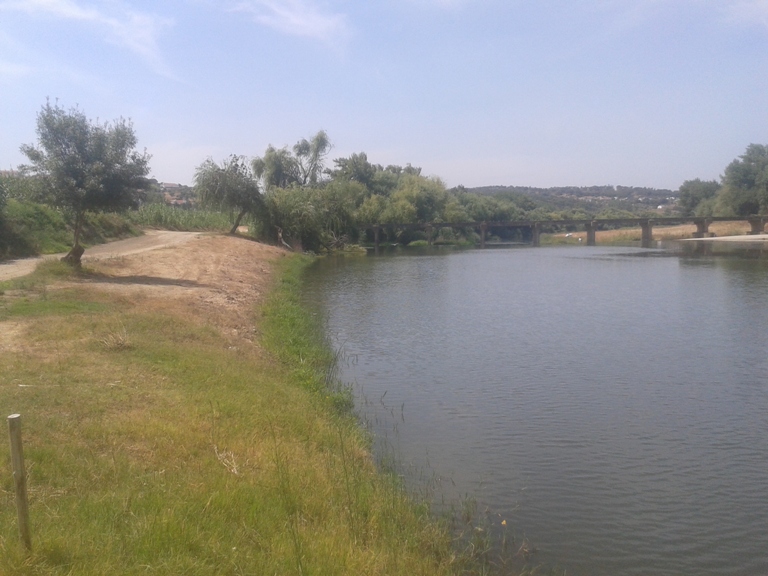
(176,419)
(629,235)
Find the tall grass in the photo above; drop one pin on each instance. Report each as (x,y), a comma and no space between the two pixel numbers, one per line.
(174,218)
(176,452)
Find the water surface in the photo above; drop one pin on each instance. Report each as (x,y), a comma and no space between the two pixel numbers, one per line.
(610,404)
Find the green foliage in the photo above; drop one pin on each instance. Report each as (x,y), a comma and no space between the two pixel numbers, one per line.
(278,168)
(309,158)
(166,217)
(22,187)
(694,192)
(181,454)
(745,184)
(231,186)
(298,215)
(85,166)
(30,229)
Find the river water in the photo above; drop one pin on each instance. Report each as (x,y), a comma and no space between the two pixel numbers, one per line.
(609,405)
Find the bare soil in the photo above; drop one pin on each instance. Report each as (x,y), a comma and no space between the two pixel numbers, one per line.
(217,279)
(214,279)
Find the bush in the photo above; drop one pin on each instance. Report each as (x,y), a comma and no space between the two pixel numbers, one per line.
(31,229)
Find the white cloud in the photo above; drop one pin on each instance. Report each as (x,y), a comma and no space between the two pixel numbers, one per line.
(297,17)
(136,31)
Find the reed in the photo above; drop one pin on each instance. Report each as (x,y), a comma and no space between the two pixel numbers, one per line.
(168,217)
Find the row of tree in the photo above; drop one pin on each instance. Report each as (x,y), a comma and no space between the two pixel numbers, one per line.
(292,196)
(741,191)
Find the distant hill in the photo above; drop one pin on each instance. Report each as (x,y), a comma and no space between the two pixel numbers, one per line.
(588,199)
(631,193)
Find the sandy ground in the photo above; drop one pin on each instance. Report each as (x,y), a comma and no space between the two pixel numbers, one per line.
(215,279)
(151,240)
(752,238)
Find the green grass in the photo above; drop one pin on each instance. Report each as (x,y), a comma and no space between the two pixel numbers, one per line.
(175,218)
(155,446)
(29,229)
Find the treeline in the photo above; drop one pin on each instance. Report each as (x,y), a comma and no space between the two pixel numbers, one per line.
(741,191)
(294,196)
(297,197)
(605,192)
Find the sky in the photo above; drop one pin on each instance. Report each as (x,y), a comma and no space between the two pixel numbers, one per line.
(477,92)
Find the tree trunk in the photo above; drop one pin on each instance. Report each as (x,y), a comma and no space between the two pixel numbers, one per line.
(237,221)
(76,253)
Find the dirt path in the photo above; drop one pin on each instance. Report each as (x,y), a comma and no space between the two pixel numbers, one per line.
(151,240)
(212,279)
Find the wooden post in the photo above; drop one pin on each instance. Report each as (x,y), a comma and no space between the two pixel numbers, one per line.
(19,478)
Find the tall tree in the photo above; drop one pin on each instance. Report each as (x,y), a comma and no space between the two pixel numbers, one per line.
(745,184)
(693,192)
(231,185)
(277,168)
(3,195)
(309,157)
(86,166)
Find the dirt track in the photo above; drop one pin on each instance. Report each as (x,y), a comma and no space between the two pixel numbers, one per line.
(151,240)
(216,279)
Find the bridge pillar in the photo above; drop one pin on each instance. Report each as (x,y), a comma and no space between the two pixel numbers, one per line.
(376,230)
(591,228)
(428,230)
(536,234)
(483,230)
(647,236)
(757,225)
(702,228)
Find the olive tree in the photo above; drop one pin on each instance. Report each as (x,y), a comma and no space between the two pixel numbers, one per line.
(86,166)
(231,186)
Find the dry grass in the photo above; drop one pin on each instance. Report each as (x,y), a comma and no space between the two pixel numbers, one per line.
(163,437)
(626,235)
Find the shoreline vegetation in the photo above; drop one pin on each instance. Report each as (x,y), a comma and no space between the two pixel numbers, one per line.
(164,434)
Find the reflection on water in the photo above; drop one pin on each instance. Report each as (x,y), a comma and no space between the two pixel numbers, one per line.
(611,404)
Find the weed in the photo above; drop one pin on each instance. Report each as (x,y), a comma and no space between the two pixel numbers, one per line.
(116,340)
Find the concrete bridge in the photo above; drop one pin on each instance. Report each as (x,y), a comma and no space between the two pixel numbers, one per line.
(535,227)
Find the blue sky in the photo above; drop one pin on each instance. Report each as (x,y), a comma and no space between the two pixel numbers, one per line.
(477,92)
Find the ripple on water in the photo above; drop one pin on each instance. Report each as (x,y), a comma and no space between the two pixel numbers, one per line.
(614,408)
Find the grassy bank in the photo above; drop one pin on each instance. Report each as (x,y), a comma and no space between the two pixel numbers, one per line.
(157,445)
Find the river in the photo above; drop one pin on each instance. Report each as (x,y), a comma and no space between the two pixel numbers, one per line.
(608,407)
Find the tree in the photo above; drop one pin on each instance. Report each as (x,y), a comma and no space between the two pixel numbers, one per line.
(278,168)
(3,196)
(355,168)
(745,184)
(309,157)
(86,166)
(231,186)
(693,192)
